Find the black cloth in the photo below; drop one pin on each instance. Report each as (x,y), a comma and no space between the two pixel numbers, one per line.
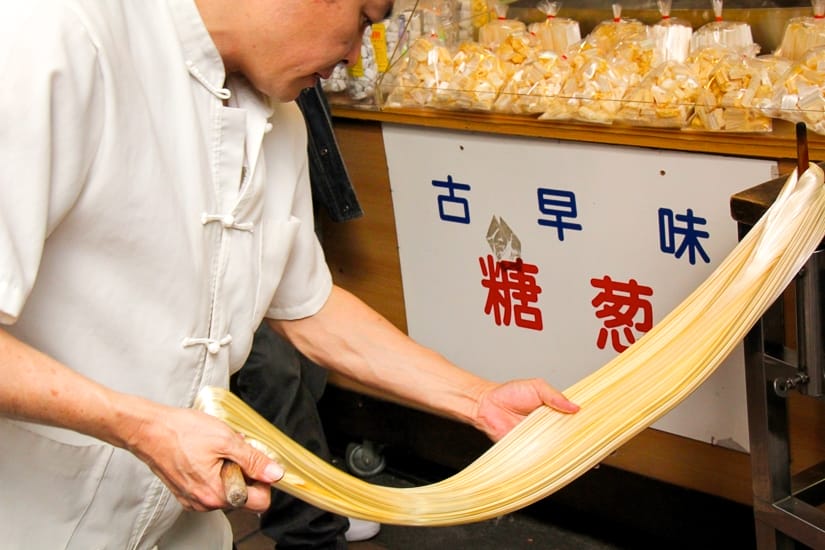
(284,387)
(331,184)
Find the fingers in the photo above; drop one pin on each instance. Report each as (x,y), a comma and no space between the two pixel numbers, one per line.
(259,495)
(255,497)
(556,400)
(504,406)
(255,464)
(236,484)
(259,471)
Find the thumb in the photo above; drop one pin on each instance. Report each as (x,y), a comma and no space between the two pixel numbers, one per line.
(257,465)
(555,399)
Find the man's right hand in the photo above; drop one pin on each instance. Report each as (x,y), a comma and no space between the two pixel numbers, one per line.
(186,448)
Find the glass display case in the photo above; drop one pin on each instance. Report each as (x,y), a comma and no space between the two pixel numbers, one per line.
(702,66)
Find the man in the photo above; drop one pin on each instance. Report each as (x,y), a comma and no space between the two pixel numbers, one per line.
(154,208)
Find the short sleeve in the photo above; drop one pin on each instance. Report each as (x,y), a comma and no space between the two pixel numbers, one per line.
(51,111)
(306,282)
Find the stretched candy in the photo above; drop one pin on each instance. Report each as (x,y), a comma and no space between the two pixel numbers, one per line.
(548,450)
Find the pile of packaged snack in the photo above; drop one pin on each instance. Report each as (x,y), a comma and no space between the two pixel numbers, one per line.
(472,55)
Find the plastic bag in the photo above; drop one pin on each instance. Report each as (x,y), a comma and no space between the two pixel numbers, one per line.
(727,34)
(732,98)
(363,75)
(671,34)
(536,84)
(799,96)
(607,34)
(417,78)
(476,79)
(515,50)
(337,82)
(593,93)
(634,58)
(803,33)
(664,99)
(555,34)
(495,31)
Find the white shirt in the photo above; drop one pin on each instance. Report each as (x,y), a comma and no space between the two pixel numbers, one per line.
(146,228)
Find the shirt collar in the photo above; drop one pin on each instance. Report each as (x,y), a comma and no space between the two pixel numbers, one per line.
(202,57)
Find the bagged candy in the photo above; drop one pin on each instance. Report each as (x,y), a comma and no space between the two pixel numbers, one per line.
(494,32)
(607,34)
(634,58)
(665,98)
(734,35)
(337,82)
(477,77)
(593,92)
(363,75)
(430,75)
(555,34)
(732,98)
(535,85)
(672,35)
(471,15)
(515,50)
(803,33)
(438,18)
(399,31)
(799,96)
(417,78)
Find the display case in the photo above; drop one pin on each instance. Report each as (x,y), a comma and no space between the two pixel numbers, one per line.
(694,66)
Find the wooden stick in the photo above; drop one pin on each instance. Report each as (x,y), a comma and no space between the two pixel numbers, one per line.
(234,483)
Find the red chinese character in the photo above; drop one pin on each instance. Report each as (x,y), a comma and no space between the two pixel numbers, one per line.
(619,305)
(511,288)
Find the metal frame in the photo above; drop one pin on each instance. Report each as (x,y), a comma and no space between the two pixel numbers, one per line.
(785,505)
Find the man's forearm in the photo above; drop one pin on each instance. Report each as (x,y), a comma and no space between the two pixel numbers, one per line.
(352,339)
(39,389)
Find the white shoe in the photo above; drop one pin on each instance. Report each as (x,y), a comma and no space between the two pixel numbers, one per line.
(361,529)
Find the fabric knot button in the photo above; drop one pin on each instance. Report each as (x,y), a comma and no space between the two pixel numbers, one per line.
(267,127)
(228,220)
(213,347)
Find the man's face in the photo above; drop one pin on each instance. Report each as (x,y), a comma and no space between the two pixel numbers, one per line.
(287,45)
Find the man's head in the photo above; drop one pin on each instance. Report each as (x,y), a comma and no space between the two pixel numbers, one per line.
(284,46)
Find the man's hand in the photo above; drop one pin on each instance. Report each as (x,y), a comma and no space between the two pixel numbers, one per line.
(502,406)
(186,449)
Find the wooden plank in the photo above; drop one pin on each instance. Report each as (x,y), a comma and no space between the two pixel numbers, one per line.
(778,144)
(363,253)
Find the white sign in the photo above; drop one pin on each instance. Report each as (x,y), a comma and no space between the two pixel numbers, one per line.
(607,240)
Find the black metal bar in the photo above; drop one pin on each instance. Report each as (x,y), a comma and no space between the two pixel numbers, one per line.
(810,324)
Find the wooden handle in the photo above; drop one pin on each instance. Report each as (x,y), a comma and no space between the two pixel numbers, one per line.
(234,484)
